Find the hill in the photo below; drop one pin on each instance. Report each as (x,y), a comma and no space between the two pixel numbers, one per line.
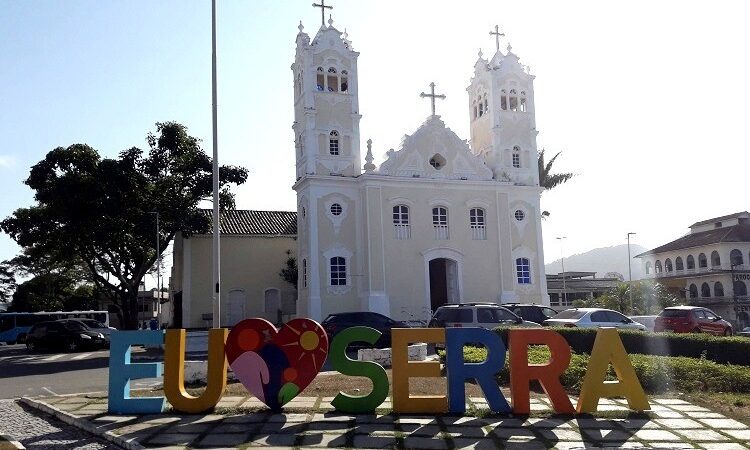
(601,260)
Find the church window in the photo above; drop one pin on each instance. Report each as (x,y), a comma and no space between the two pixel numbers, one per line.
(503,100)
(437,161)
(486,104)
(320,79)
(690,262)
(333,80)
(517,157)
(481,108)
(344,81)
(519,215)
(705,290)
(440,222)
(333,142)
(401,222)
(477,223)
(702,261)
(523,271)
(336,209)
(338,271)
(513,100)
(304,273)
(718,289)
(523,101)
(693,291)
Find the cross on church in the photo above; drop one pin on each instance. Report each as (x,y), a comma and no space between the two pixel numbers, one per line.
(497,35)
(432,96)
(323,8)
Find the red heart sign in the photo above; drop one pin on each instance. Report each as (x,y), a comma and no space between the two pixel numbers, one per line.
(275,366)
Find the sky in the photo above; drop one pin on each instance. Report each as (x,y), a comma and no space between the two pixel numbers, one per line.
(646,100)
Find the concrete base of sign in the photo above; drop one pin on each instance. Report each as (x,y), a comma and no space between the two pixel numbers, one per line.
(382,356)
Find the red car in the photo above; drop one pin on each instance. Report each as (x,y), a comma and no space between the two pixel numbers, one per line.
(692,319)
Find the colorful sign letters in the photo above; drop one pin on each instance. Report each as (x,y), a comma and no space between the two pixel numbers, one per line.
(277,365)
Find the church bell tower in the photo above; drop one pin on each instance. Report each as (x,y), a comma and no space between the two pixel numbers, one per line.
(326,103)
(501,112)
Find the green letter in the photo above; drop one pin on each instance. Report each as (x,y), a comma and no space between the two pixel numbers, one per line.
(356,404)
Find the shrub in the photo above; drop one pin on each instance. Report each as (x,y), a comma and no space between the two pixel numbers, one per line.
(657,374)
(720,349)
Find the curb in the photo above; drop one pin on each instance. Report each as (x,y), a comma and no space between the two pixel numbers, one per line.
(81,424)
(7,442)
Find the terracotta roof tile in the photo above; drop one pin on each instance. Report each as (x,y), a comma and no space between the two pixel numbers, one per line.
(262,223)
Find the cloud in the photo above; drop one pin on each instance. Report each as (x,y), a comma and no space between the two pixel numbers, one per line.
(7,161)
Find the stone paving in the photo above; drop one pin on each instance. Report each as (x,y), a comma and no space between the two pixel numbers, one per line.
(310,422)
(43,433)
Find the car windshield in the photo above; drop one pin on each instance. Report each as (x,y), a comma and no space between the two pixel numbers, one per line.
(460,315)
(570,314)
(74,326)
(674,313)
(91,323)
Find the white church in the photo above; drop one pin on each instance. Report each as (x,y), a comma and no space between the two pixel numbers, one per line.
(441,220)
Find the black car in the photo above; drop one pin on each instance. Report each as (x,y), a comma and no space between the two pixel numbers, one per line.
(532,312)
(69,335)
(334,323)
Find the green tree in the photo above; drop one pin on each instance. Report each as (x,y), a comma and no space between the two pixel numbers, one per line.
(547,179)
(99,211)
(7,281)
(289,271)
(648,298)
(53,292)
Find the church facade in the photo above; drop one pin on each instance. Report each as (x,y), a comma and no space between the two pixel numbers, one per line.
(441,220)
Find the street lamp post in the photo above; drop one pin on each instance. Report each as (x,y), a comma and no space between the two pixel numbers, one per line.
(630,273)
(158,261)
(562,260)
(216,304)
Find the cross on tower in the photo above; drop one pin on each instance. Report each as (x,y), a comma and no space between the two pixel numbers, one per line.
(323,8)
(432,96)
(497,35)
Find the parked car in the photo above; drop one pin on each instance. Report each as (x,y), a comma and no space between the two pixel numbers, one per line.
(95,325)
(593,318)
(531,312)
(648,321)
(744,333)
(482,315)
(692,319)
(69,335)
(334,323)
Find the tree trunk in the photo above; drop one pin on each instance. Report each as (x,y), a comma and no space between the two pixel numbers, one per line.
(129,301)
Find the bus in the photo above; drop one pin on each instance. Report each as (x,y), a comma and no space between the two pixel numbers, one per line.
(14,326)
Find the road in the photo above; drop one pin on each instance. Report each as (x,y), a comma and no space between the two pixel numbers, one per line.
(45,373)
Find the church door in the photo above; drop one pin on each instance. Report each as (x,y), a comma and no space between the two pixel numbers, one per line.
(438,283)
(235,306)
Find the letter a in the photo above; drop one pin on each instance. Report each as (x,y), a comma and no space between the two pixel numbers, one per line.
(174,372)
(608,349)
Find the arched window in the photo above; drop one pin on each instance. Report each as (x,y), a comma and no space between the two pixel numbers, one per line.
(705,290)
(735,258)
(477,224)
(523,271)
(523,101)
(648,268)
(320,80)
(517,157)
(333,142)
(440,222)
(338,271)
(678,264)
(718,289)
(486,104)
(693,291)
(740,288)
(667,265)
(513,100)
(344,81)
(304,273)
(702,261)
(503,100)
(657,266)
(401,222)
(476,110)
(715,259)
(332,80)
(481,107)
(690,262)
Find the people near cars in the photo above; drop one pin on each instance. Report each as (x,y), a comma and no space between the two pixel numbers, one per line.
(593,318)
(692,319)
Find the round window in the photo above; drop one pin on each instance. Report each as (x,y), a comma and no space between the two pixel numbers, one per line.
(336,209)
(520,215)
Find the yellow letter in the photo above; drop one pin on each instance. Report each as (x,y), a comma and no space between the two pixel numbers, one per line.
(608,348)
(174,372)
(403,370)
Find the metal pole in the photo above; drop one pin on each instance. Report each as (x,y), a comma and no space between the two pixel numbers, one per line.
(562,259)
(630,273)
(158,265)
(216,310)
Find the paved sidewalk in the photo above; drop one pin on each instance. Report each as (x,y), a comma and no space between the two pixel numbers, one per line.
(238,423)
(41,432)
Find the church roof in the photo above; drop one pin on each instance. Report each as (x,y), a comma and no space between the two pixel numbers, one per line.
(259,223)
(736,233)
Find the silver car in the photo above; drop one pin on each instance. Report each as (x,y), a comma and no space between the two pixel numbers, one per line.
(593,318)
(481,315)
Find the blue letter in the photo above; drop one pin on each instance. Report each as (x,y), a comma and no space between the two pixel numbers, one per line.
(121,371)
(483,373)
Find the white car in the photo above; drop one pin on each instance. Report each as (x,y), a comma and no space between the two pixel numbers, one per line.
(593,318)
(648,321)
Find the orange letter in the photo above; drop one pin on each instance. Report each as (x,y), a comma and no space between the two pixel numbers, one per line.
(403,370)
(521,372)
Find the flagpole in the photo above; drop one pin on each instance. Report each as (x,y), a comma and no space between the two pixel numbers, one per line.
(216,303)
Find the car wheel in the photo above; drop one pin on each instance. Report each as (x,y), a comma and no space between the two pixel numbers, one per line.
(71,345)
(30,346)
(728,332)
(696,330)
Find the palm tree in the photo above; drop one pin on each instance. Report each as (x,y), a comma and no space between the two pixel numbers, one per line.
(547,179)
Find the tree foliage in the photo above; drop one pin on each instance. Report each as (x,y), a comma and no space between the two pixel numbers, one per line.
(99,211)
(648,298)
(7,281)
(547,179)
(289,272)
(53,292)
